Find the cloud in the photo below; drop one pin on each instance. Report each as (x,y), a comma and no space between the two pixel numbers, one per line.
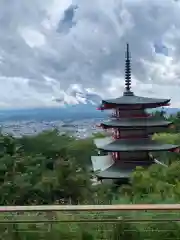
(49,46)
(32,37)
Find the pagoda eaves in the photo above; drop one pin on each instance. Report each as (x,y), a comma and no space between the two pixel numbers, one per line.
(136,100)
(136,145)
(136,123)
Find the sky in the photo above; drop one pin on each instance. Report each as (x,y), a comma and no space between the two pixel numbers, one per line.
(59,49)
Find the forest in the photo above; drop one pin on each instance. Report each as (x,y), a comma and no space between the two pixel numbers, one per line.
(51,168)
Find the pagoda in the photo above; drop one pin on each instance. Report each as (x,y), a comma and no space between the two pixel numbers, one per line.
(129,143)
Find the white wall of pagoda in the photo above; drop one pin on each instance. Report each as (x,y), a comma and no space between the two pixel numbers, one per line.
(101,163)
(99,142)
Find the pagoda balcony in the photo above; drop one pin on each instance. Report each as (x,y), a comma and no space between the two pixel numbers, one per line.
(130,137)
(132,156)
(148,131)
(135,123)
(116,116)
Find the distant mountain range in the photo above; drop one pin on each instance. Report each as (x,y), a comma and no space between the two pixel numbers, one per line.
(84,107)
(74,112)
(68,112)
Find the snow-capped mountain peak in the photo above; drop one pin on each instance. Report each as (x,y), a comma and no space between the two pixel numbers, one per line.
(77,95)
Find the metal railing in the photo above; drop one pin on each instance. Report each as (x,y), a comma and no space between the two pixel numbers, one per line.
(144,221)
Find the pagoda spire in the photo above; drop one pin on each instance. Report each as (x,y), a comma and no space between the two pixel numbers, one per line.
(127,91)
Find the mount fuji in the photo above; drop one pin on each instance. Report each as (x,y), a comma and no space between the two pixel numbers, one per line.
(74,105)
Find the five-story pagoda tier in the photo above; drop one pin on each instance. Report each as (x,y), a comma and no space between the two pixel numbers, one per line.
(130,144)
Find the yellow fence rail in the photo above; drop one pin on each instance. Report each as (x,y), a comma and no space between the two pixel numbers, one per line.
(83,208)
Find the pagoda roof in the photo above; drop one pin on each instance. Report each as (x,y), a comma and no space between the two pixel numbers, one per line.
(137,122)
(124,170)
(129,98)
(134,100)
(134,145)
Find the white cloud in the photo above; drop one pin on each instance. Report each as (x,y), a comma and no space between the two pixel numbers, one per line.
(33,37)
(90,54)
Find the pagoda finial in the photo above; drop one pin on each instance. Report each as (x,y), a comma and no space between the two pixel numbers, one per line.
(127,91)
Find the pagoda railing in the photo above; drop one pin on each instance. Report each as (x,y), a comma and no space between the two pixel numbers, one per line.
(113,115)
(20,220)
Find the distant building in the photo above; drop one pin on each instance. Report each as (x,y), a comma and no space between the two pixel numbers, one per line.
(130,144)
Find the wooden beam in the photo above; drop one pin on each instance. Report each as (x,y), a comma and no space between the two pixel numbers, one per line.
(98,208)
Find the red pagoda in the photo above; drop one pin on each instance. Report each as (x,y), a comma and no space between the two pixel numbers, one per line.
(130,144)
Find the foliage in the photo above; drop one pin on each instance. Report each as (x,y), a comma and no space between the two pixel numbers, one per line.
(54,169)
(45,169)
